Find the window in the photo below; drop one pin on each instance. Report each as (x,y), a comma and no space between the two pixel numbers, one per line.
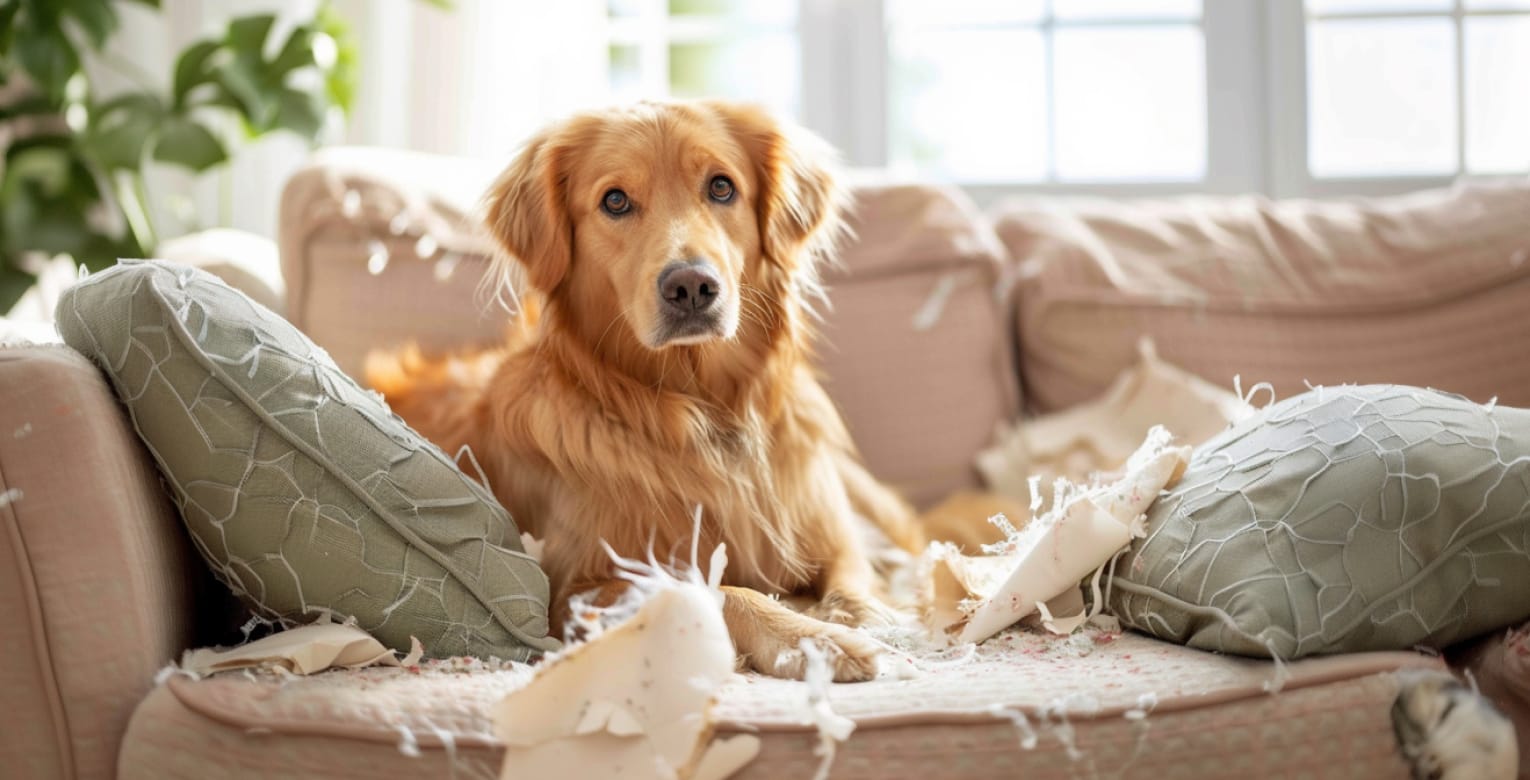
(1421,87)
(695,48)
(1128,97)
(1071,90)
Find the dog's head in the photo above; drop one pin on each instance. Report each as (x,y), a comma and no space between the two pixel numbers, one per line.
(664,215)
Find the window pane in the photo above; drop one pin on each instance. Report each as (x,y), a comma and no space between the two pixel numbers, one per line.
(626,72)
(963,13)
(772,12)
(620,8)
(1381,97)
(1126,9)
(1131,103)
(1374,6)
(969,104)
(1498,94)
(761,68)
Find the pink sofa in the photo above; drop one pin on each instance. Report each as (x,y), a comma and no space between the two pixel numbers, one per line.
(941,315)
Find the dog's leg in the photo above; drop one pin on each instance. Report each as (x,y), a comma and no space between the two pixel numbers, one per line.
(847,588)
(878,503)
(767,636)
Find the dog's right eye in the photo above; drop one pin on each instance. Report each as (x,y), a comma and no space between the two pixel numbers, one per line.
(616,203)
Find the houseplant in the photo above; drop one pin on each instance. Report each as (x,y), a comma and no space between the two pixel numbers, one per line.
(74,161)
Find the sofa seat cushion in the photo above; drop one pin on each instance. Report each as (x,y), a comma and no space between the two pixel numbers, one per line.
(301,490)
(1424,289)
(1129,701)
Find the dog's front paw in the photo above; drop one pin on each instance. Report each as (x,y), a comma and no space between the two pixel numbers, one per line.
(1447,731)
(851,657)
(847,609)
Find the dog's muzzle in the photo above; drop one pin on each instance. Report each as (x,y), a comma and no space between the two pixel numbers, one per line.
(688,296)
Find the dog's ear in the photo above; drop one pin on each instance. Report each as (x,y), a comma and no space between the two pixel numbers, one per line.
(801,201)
(527,212)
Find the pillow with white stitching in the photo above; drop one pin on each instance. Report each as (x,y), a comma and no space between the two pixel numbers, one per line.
(1340,520)
(302,491)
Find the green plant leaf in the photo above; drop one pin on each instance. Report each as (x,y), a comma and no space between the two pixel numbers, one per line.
(340,82)
(239,85)
(14,283)
(247,35)
(49,58)
(184,142)
(296,53)
(121,128)
(27,105)
(300,112)
(47,197)
(194,68)
(96,17)
(8,9)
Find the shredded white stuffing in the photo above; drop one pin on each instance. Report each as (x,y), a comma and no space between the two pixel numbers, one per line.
(1281,674)
(832,728)
(10,497)
(172,670)
(407,744)
(1022,724)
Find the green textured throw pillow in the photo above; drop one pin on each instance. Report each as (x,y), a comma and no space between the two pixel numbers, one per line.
(301,490)
(1343,519)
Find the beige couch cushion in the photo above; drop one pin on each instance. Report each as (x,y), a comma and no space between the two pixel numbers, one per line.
(914,350)
(97,578)
(1426,289)
(1204,715)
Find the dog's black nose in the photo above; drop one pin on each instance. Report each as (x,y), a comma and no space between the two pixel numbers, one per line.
(688,287)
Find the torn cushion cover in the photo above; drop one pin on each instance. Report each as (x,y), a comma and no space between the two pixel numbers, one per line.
(303,492)
(1343,519)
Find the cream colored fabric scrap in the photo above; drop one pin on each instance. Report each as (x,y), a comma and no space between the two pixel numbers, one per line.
(302,650)
(1100,435)
(635,700)
(976,597)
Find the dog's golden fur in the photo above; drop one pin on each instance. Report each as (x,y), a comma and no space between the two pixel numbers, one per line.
(591,425)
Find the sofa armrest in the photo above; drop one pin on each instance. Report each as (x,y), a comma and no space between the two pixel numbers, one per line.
(97,578)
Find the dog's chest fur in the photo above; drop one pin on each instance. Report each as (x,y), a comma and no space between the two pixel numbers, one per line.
(764,484)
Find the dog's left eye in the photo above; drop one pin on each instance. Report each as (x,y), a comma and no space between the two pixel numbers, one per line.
(721,189)
(616,203)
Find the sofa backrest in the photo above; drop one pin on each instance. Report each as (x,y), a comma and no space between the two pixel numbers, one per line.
(1426,289)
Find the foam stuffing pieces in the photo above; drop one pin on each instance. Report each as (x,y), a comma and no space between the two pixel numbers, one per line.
(302,650)
(1038,569)
(635,700)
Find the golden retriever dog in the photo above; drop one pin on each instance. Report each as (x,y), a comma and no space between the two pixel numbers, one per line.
(661,361)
